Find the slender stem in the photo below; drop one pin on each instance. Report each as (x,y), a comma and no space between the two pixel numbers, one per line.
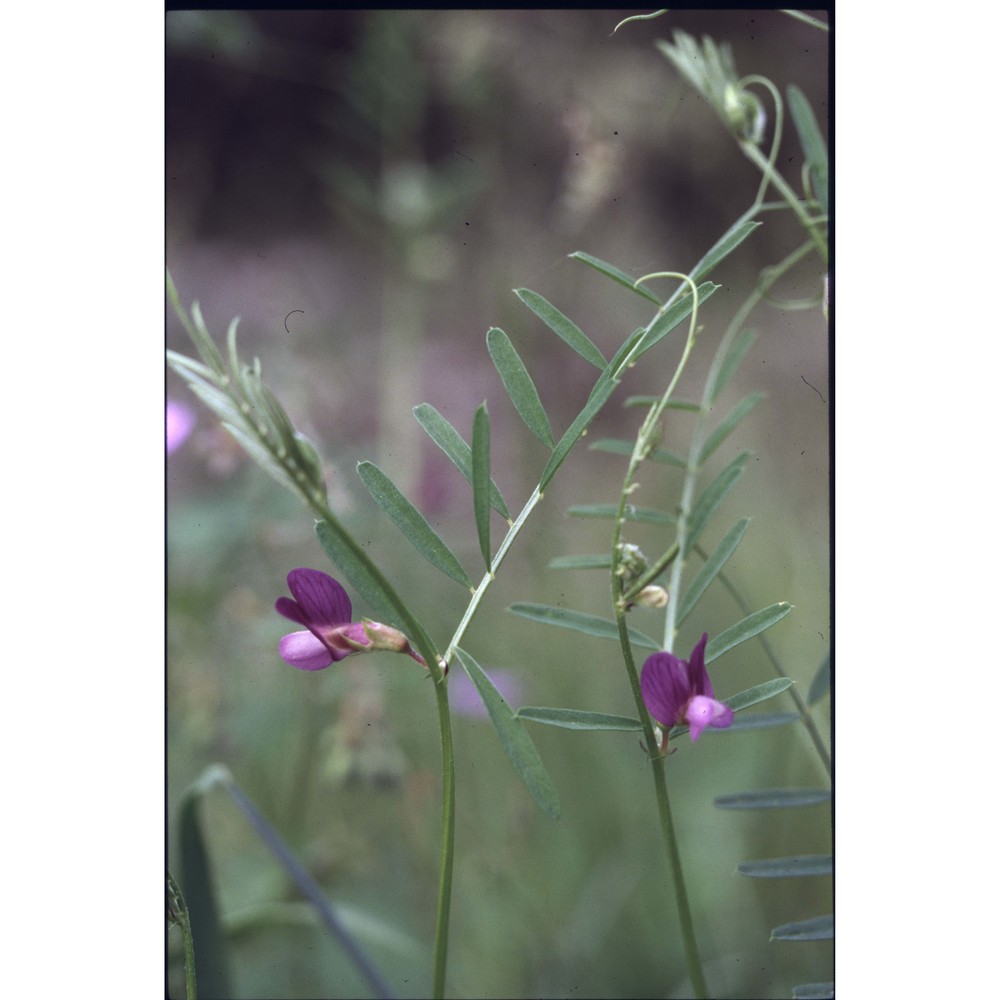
(643,444)
(484,584)
(701,427)
(673,853)
(447,842)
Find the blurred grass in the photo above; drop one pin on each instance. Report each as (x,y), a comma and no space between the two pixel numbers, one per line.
(269,116)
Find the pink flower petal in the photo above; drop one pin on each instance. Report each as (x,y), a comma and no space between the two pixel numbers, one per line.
(305,651)
(704,711)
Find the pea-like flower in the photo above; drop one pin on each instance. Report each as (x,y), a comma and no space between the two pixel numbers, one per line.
(679,691)
(322,605)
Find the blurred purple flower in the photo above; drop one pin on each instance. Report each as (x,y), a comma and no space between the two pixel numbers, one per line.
(180,422)
(678,691)
(322,605)
(465,698)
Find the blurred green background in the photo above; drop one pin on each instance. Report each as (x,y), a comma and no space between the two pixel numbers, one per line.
(364,189)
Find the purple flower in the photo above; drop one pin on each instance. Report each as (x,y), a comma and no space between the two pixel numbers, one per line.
(180,422)
(322,605)
(677,691)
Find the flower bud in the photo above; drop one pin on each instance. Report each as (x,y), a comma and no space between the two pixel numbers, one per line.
(744,113)
(653,596)
(385,637)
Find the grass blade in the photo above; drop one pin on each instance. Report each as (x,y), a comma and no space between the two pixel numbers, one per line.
(519,385)
(579,621)
(481,479)
(211,950)
(513,737)
(746,629)
(712,568)
(411,522)
(453,445)
(563,327)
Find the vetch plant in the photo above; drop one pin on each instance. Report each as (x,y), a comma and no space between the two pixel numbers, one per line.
(665,463)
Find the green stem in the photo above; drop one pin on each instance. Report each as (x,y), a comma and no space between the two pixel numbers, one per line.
(447,842)
(417,634)
(480,592)
(683,906)
(619,603)
(701,428)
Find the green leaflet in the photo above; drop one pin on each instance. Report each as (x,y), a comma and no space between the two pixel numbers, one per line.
(513,737)
(597,560)
(791,867)
(712,499)
(811,991)
(743,700)
(563,327)
(712,568)
(615,274)
(358,574)
(813,146)
(731,363)
(820,683)
(760,720)
(758,693)
(481,479)
(519,385)
(607,511)
(729,424)
(814,929)
(599,396)
(579,621)
(411,522)
(746,629)
(571,718)
(619,446)
(453,445)
(727,243)
(773,798)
